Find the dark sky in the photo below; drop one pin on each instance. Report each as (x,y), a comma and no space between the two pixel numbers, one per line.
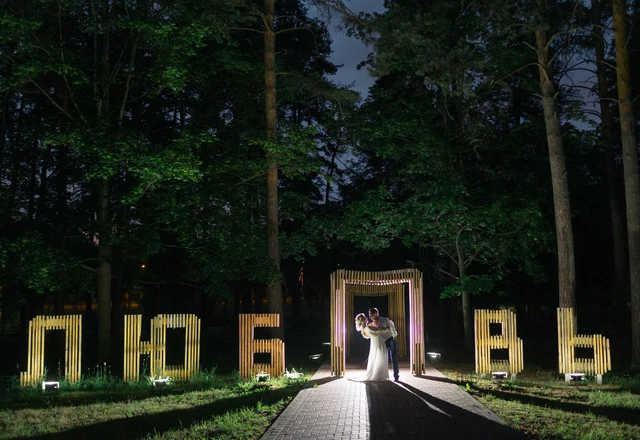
(350,51)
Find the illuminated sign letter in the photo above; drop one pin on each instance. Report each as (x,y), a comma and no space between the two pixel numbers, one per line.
(157,347)
(507,339)
(249,346)
(72,326)
(568,341)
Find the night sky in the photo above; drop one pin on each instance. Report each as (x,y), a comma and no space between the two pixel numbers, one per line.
(350,51)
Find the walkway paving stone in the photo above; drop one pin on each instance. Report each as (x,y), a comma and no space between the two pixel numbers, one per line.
(416,407)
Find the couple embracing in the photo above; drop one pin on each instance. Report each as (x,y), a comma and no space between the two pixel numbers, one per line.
(382,334)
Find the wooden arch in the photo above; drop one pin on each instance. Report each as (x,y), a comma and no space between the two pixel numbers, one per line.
(345,284)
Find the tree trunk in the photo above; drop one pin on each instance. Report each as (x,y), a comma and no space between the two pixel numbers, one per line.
(31,207)
(117,313)
(243,289)
(467,312)
(104,275)
(43,182)
(104,270)
(615,205)
(559,181)
(630,165)
(88,312)
(274,289)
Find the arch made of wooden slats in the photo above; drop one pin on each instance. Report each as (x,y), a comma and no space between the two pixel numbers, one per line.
(345,284)
(397,313)
(72,326)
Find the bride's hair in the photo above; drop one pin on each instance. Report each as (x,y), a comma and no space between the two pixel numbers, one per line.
(361,321)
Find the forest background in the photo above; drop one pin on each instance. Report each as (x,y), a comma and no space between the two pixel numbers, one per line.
(197,157)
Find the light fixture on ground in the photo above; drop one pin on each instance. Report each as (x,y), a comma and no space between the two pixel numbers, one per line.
(316,357)
(433,354)
(499,375)
(263,376)
(293,374)
(576,377)
(50,385)
(160,381)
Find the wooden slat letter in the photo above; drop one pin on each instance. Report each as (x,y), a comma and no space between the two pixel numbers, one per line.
(568,340)
(72,326)
(157,347)
(249,345)
(507,340)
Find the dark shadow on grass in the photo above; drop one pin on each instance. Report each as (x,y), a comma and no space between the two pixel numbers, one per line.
(624,415)
(435,378)
(624,389)
(140,426)
(38,400)
(399,410)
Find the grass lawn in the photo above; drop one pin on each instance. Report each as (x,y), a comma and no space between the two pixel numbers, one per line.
(219,405)
(208,406)
(542,406)
(214,404)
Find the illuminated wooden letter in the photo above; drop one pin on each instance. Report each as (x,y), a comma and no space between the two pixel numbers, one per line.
(506,340)
(568,341)
(72,326)
(157,347)
(249,346)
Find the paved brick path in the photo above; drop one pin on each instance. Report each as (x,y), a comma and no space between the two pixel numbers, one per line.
(423,407)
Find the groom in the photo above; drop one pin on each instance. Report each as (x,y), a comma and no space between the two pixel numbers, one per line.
(392,347)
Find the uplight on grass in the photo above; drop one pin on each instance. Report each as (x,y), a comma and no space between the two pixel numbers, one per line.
(263,376)
(160,381)
(51,385)
(576,377)
(293,374)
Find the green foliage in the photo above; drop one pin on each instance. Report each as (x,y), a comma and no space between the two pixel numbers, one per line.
(293,152)
(448,162)
(475,285)
(32,260)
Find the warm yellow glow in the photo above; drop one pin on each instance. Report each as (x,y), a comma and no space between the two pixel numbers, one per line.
(249,346)
(508,339)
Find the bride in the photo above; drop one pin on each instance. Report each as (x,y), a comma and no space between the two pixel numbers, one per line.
(378,362)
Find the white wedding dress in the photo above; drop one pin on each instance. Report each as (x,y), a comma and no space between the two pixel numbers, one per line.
(378,361)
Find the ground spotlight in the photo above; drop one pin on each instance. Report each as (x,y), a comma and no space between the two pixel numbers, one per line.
(499,375)
(50,385)
(576,377)
(262,376)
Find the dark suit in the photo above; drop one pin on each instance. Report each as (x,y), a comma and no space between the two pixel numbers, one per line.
(392,346)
